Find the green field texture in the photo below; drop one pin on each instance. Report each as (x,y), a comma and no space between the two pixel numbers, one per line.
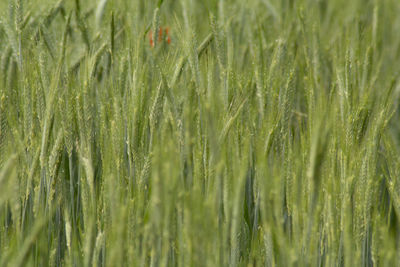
(261,133)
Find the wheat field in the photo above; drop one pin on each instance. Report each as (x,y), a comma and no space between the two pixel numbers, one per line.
(199,133)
